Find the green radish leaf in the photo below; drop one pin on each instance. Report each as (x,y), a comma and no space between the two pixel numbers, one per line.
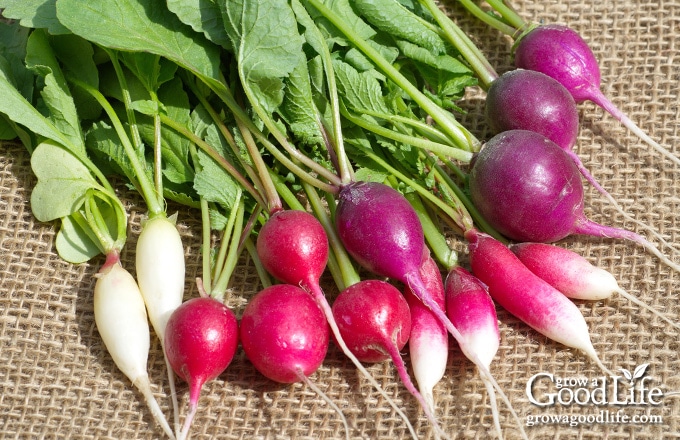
(63,181)
(298,108)
(150,69)
(34,14)
(203,16)
(370,175)
(140,26)
(103,141)
(73,243)
(359,91)
(214,184)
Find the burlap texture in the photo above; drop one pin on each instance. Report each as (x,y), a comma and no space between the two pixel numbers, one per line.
(58,382)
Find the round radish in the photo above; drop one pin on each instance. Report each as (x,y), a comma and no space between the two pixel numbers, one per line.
(201,337)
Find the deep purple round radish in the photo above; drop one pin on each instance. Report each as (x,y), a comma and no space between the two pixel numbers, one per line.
(527,187)
(374,319)
(561,53)
(379,229)
(530,100)
(293,247)
(284,333)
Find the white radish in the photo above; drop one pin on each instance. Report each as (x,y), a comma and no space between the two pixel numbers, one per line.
(121,320)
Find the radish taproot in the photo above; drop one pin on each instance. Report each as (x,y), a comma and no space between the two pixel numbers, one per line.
(429,341)
(201,337)
(560,52)
(285,334)
(529,190)
(374,319)
(523,294)
(574,275)
(121,319)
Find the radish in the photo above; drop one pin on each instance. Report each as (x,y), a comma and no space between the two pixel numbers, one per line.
(293,246)
(285,335)
(201,337)
(528,189)
(573,275)
(374,319)
(560,52)
(121,320)
(523,294)
(472,311)
(429,340)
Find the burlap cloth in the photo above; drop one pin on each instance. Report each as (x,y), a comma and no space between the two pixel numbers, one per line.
(57,381)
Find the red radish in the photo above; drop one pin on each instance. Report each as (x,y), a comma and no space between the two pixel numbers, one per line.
(528,189)
(429,340)
(523,294)
(573,275)
(561,53)
(201,337)
(293,246)
(123,325)
(375,321)
(285,335)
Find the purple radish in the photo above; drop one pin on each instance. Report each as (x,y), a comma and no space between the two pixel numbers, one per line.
(201,337)
(472,311)
(429,340)
(293,246)
(381,230)
(561,53)
(285,335)
(573,275)
(529,190)
(523,294)
(374,319)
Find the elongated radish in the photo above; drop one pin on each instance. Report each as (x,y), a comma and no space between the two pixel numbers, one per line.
(429,340)
(285,335)
(121,320)
(523,294)
(375,321)
(528,189)
(292,245)
(201,337)
(560,52)
(573,275)
(472,311)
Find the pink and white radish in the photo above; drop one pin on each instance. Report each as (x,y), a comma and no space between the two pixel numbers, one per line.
(284,333)
(574,275)
(201,337)
(121,319)
(526,296)
(429,340)
(293,246)
(375,321)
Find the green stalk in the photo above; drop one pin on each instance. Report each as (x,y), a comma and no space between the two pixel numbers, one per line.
(227,269)
(98,225)
(489,19)
(262,273)
(442,252)
(459,135)
(509,15)
(205,245)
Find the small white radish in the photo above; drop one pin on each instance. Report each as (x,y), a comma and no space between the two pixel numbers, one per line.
(574,275)
(121,320)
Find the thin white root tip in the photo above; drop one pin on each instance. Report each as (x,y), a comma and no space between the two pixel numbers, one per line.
(187,422)
(144,386)
(639,303)
(173,393)
(327,399)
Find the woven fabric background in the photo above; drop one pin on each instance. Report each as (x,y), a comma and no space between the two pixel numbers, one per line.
(58,382)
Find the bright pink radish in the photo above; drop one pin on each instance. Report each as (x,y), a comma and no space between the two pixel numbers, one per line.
(472,311)
(530,100)
(429,340)
(293,246)
(519,291)
(375,321)
(573,275)
(561,53)
(284,333)
(201,337)
(529,190)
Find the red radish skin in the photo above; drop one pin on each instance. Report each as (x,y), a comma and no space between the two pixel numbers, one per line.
(201,337)
(293,246)
(374,319)
(284,333)
(573,275)
(523,294)
(560,52)
(429,340)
